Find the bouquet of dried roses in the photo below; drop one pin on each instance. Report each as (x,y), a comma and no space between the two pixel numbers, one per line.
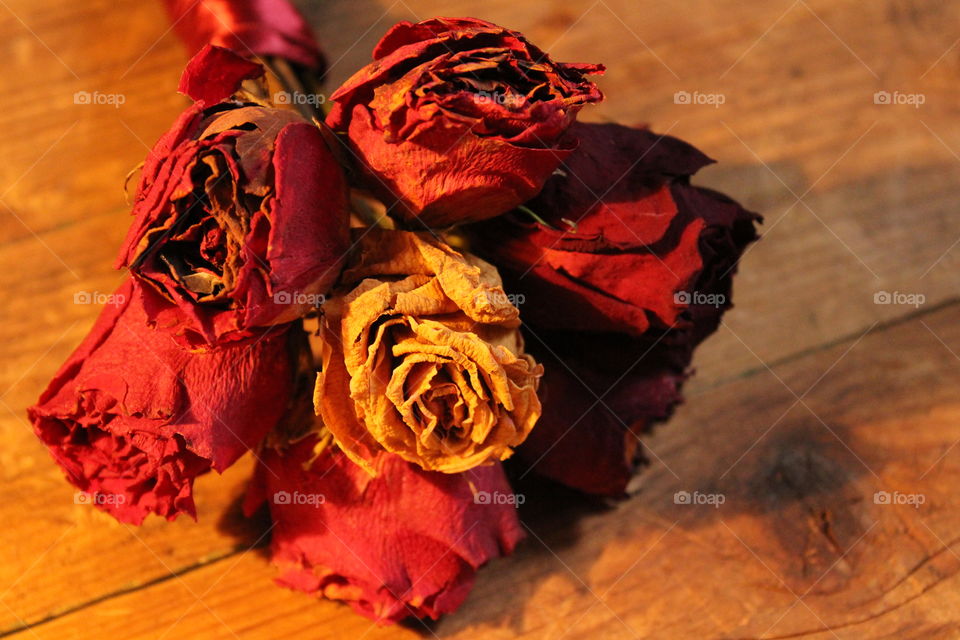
(446,280)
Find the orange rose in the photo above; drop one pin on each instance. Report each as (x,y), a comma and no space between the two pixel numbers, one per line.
(422,357)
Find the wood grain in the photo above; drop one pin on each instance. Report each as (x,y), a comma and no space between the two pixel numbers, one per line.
(859,198)
(798,545)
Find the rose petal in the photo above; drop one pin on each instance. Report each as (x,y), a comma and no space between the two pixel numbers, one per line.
(404,543)
(133,414)
(215,73)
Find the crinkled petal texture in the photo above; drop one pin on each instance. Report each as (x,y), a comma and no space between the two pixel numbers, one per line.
(422,357)
(458,119)
(626,235)
(249,27)
(619,289)
(406,542)
(240,218)
(133,418)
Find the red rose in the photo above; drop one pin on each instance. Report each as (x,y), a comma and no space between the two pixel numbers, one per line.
(458,119)
(634,270)
(133,418)
(628,236)
(241,214)
(600,393)
(407,542)
(249,27)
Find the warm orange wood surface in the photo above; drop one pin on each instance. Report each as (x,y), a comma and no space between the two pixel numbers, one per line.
(809,400)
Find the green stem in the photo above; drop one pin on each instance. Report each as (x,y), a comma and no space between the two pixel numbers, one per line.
(530,212)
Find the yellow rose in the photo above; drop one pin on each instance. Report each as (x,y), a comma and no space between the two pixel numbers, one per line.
(422,357)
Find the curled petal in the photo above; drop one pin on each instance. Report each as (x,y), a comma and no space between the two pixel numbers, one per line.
(133,418)
(458,119)
(406,542)
(422,357)
(240,220)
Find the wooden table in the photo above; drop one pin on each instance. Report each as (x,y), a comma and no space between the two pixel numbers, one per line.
(809,400)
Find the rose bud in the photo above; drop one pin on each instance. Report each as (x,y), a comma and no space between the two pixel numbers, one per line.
(617,290)
(422,357)
(259,28)
(133,418)
(458,119)
(240,219)
(405,543)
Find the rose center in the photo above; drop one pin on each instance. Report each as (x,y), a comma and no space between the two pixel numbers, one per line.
(203,251)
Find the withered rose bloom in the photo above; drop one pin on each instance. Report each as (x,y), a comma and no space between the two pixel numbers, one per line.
(628,236)
(617,293)
(458,119)
(406,542)
(133,418)
(422,357)
(240,216)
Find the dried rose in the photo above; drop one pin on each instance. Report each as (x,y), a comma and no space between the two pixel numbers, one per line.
(600,394)
(628,236)
(458,119)
(631,271)
(249,27)
(133,418)
(241,214)
(405,543)
(422,357)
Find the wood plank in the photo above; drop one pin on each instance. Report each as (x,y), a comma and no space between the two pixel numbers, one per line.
(64,161)
(53,541)
(796,104)
(797,546)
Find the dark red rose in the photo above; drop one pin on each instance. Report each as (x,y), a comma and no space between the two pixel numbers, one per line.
(133,418)
(600,393)
(628,236)
(249,27)
(458,119)
(240,219)
(405,543)
(631,272)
